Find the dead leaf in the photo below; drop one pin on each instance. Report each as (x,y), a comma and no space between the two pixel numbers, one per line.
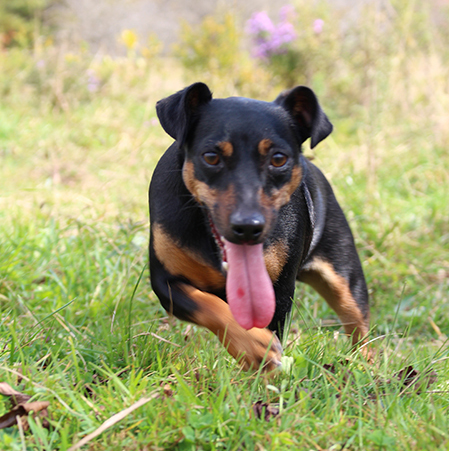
(411,378)
(36,406)
(88,392)
(187,332)
(264,410)
(16,396)
(329,367)
(10,418)
(346,375)
(168,392)
(22,411)
(21,408)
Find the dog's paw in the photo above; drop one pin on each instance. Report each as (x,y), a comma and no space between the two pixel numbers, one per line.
(259,347)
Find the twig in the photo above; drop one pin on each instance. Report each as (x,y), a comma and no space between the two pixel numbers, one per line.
(113,420)
(144,334)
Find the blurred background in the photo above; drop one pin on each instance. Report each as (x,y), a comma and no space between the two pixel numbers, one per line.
(99,22)
(79,137)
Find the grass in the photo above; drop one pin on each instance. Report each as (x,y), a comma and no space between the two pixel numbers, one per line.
(81,328)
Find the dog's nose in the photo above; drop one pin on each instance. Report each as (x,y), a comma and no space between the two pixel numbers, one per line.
(247,228)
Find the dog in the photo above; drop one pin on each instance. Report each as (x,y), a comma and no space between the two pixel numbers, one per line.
(238,214)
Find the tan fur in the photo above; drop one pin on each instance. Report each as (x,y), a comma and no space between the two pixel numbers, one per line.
(250,347)
(334,288)
(282,196)
(227,148)
(264,147)
(200,190)
(183,262)
(275,257)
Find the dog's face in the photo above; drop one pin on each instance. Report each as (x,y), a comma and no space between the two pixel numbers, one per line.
(242,155)
(243,164)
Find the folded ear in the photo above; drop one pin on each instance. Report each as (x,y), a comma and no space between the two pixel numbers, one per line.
(303,106)
(178,112)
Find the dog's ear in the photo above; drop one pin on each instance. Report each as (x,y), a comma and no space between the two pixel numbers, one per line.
(178,112)
(303,106)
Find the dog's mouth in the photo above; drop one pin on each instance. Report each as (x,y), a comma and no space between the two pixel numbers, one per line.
(249,289)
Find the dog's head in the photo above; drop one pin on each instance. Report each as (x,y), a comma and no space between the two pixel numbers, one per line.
(242,155)
(242,162)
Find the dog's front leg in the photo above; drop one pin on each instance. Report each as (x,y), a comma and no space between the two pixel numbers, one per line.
(252,348)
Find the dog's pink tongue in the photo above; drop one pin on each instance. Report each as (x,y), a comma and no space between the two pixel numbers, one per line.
(249,289)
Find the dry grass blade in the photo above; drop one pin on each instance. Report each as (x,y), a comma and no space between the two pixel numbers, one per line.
(152,334)
(113,420)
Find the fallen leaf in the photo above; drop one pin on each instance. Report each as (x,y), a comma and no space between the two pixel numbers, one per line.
(88,392)
(264,410)
(407,375)
(346,374)
(16,396)
(329,367)
(22,411)
(413,379)
(21,408)
(168,391)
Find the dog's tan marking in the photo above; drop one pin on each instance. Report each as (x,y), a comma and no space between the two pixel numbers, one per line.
(285,193)
(275,257)
(264,147)
(223,206)
(200,190)
(226,148)
(247,346)
(335,290)
(282,196)
(183,262)
(221,203)
(191,182)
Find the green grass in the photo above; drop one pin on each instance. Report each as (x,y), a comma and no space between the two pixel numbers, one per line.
(81,328)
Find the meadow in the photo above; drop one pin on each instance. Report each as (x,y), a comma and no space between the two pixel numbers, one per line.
(81,329)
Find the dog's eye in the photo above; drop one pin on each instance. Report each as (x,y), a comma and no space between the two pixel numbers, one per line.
(211,158)
(278,160)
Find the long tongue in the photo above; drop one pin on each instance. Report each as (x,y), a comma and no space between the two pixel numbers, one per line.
(249,289)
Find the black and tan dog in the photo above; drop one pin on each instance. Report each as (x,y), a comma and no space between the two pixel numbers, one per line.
(238,214)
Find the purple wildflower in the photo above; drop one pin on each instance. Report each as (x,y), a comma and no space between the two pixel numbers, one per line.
(93,82)
(261,51)
(284,33)
(259,23)
(151,123)
(270,39)
(287,12)
(318,26)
